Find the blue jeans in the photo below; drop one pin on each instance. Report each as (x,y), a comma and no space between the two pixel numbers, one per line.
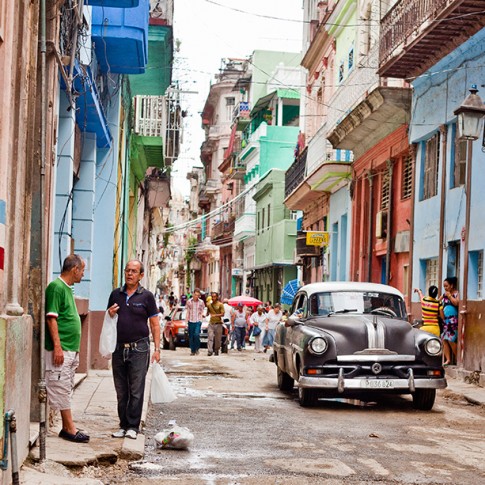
(130,366)
(194,336)
(240,334)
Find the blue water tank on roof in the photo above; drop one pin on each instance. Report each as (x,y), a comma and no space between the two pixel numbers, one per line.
(112,3)
(120,37)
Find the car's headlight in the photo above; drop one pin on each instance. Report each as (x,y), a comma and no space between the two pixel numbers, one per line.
(318,345)
(433,347)
(181,330)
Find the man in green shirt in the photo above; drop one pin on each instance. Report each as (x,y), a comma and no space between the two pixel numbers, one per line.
(214,331)
(62,342)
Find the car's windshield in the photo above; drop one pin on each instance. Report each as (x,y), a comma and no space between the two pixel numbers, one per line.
(348,302)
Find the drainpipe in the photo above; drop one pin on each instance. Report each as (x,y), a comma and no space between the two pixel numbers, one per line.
(464,292)
(370,177)
(389,222)
(442,205)
(42,393)
(10,425)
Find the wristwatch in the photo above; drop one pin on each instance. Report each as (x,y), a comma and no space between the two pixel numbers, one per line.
(157,350)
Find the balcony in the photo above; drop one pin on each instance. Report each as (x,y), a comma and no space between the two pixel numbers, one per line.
(120,38)
(245,226)
(241,115)
(212,186)
(158,189)
(415,34)
(222,229)
(90,115)
(296,173)
(383,111)
(157,77)
(304,251)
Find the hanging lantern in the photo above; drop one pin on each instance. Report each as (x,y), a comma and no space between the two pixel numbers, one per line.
(470,115)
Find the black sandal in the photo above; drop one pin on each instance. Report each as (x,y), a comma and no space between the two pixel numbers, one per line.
(79,437)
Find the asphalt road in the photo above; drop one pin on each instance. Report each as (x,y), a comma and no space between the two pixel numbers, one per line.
(248,432)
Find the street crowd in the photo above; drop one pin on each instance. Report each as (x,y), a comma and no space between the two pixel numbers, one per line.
(243,323)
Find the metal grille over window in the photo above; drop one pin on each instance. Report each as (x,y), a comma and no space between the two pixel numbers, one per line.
(431,162)
(432,273)
(407,177)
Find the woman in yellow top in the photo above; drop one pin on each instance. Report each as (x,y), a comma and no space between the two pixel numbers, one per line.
(430,308)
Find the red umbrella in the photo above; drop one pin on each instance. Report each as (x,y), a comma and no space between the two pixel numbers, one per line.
(245,300)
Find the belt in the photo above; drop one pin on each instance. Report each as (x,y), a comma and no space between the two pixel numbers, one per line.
(131,345)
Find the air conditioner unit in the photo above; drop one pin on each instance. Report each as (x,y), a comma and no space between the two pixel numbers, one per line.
(381,224)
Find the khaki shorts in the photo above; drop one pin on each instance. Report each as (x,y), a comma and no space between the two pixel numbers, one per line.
(60,380)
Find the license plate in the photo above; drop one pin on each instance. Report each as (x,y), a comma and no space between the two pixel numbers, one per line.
(378,384)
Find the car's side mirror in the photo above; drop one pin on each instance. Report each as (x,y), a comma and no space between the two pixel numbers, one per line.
(292,322)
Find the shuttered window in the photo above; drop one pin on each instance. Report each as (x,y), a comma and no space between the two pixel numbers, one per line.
(431,161)
(407,177)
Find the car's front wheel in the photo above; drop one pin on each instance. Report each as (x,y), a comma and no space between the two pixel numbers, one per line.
(171,343)
(307,397)
(285,381)
(423,399)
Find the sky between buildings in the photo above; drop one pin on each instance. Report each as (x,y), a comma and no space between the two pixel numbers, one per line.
(206,31)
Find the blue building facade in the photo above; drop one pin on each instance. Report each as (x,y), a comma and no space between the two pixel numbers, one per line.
(444,243)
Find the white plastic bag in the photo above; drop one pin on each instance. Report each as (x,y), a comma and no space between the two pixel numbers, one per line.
(161,390)
(174,437)
(107,339)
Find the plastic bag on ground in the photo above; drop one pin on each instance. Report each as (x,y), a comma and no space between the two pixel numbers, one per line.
(161,390)
(107,339)
(175,437)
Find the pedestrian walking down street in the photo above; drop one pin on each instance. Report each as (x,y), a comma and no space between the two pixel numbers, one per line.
(195,312)
(135,307)
(258,321)
(62,342)
(273,317)
(449,313)
(430,309)
(227,319)
(214,330)
(240,325)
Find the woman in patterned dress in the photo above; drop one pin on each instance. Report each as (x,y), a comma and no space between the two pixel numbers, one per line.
(449,314)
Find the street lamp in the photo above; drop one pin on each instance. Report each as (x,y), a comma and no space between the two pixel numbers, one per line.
(470,115)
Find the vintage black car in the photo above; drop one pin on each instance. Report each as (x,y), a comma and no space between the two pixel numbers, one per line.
(347,339)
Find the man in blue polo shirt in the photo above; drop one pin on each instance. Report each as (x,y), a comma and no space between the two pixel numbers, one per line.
(135,307)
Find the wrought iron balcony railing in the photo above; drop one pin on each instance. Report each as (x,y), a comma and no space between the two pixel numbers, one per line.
(296,173)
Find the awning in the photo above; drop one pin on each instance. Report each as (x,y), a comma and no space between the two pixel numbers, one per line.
(263,103)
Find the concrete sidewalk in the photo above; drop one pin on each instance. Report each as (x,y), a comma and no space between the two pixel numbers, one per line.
(94,409)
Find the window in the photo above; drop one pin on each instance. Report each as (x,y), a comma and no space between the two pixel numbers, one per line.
(459,161)
(475,276)
(230,103)
(269,208)
(431,161)
(351,59)
(262,219)
(407,177)
(341,72)
(293,215)
(453,265)
(385,190)
(431,273)
(259,221)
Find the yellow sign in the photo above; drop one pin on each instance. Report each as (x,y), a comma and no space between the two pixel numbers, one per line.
(317,238)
